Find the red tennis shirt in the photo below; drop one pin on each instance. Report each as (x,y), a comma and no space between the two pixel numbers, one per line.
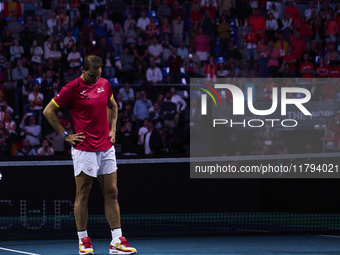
(87,104)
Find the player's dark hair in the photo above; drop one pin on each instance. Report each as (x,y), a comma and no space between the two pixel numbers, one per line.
(92,62)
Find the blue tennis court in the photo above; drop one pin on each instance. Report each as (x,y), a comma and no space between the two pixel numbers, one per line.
(264,245)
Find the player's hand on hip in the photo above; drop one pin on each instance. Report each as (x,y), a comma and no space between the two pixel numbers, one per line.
(75,138)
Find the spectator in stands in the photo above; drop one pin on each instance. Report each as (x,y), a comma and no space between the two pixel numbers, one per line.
(262,60)
(274,11)
(155,116)
(7,40)
(3,23)
(32,131)
(332,30)
(308,12)
(168,111)
(154,74)
(316,90)
(258,22)
(233,54)
(328,91)
(181,105)
(306,68)
(166,29)
(290,58)
(177,11)
(322,70)
(9,123)
(234,71)
(101,28)
(140,75)
(127,93)
(191,65)
(318,36)
(117,40)
(63,17)
(87,30)
(331,54)
(127,65)
(155,52)
(40,29)
(143,22)
(251,51)
(271,25)
(73,59)
(35,100)
(55,55)
(69,38)
(196,14)
(109,68)
(141,53)
(285,71)
(128,138)
(287,24)
(291,10)
(334,71)
(52,67)
(152,30)
(128,22)
(210,69)
(222,72)
(37,53)
(70,75)
(281,45)
(242,14)
(224,35)
(51,23)
(167,52)
(27,38)
(202,45)
(182,51)
(46,85)
(164,11)
(131,35)
(45,149)
(9,83)
(175,64)
(298,47)
(48,46)
(207,25)
(141,108)
(59,30)
(20,74)
(27,149)
(152,140)
(141,132)
(15,28)
(177,36)
(16,50)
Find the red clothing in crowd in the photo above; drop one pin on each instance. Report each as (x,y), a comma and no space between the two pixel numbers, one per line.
(175,63)
(304,30)
(290,57)
(258,23)
(307,67)
(250,38)
(210,71)
(334,72)
(212,10)
(323,71)
(293,11)
(195,16)
(298,47)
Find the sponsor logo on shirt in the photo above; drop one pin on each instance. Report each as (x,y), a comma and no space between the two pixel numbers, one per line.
(82,92)
(100,90)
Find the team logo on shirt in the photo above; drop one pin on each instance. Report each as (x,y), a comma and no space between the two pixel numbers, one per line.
(100,90)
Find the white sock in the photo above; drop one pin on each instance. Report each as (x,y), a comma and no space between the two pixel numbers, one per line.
(82,234)
(117,232)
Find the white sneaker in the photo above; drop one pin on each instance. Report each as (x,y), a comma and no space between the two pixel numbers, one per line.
(120,245)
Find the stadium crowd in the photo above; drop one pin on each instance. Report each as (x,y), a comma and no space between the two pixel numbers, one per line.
(147,44)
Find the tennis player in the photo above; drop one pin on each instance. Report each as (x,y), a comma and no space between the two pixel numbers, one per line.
(90,101)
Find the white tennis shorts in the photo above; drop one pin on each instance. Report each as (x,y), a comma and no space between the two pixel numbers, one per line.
(94,163)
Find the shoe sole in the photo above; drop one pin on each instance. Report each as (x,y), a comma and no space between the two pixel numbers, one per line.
(89,253)
(122,252)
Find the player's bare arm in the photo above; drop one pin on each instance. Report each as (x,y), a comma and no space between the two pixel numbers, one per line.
(50,114)
(112,117)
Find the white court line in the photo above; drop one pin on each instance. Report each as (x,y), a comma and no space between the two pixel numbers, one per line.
(23,252)
(330,236)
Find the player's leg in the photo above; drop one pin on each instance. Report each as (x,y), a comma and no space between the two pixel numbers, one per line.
(83,188)
(108,184)
(119,244)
